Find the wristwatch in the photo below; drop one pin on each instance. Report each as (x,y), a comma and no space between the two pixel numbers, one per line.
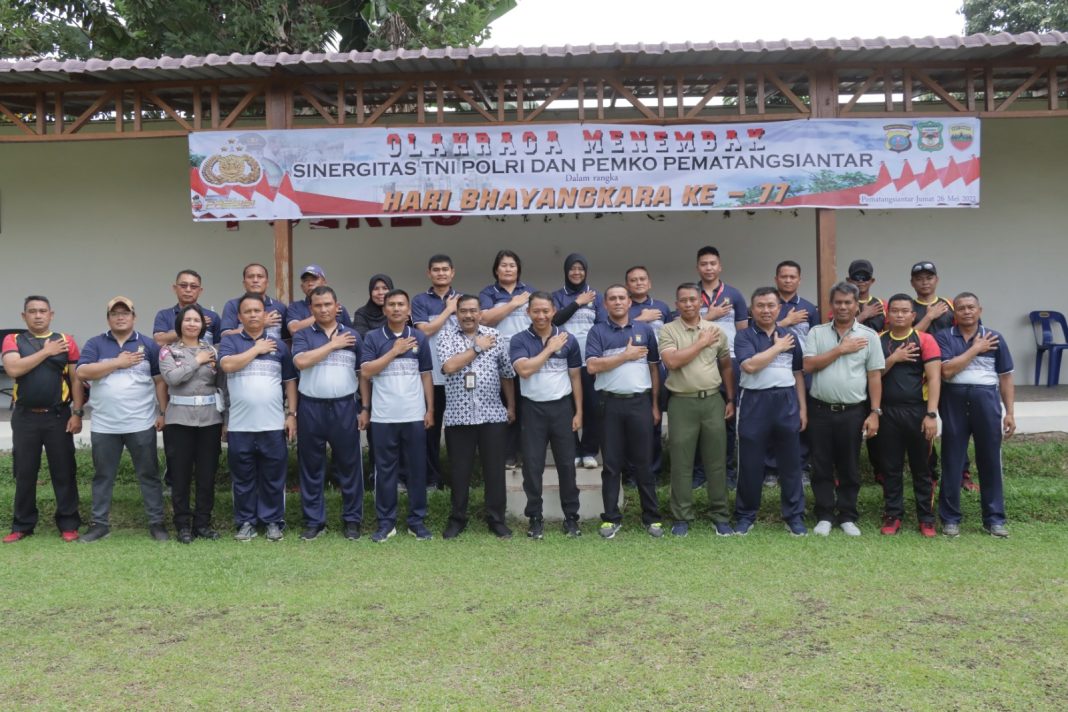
(877,411)
(291,414)
(77,411)
(932,414)
(476,348)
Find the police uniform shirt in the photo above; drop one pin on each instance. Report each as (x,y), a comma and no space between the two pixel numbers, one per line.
(984,369)
(609,339)
(941,323)
(636,309)
(800,330)
(844,380)
(481,404)
(256,390)
(905,383)
(702,373)
(124,401)
(230,320)
(48,383)
(726,294)
(552,381)
(336,376)
(165,322)
(426,307)
(301,310)
(397,395)
(494,295)
(777,374)
(583,319)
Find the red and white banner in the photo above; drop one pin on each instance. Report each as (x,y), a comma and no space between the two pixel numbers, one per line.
(565,168)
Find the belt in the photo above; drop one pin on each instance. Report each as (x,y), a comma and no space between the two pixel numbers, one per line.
(311,399)
(697,394)
(50,409)
(193,400)
(837,407)
(610,394)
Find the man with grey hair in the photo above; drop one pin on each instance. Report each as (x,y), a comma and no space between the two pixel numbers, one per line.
(846,361)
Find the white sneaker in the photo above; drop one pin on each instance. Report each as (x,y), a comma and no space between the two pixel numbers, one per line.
(850,528)
(822,528)
(578,462)
(589,462)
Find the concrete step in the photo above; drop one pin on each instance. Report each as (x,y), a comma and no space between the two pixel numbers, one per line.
(589,485)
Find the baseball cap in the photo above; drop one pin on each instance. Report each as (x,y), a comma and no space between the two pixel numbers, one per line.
(861,267)
(924,267)
(120,300)
(314,270)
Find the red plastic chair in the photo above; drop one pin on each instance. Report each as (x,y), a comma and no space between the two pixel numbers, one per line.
(1042,322)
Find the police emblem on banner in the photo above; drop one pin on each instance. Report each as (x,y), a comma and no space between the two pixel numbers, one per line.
(898,137)
(961,136)
(231,165)
(930,136)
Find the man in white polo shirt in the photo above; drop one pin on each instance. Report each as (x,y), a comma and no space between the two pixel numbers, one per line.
(128,398)
(327,354)
(398,397)
(258,367)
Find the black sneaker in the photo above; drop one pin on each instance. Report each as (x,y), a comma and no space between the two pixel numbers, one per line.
(311,533)
(96,532)
(158,532)
(185,536)
(536,529)
(571,528)
(420,532)
(352,531)
(501,531)
(453,529)
(206,533)
(383,533)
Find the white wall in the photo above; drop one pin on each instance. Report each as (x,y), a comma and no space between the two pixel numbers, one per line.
(83,221)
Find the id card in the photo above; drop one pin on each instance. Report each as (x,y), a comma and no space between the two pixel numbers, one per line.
(469,381)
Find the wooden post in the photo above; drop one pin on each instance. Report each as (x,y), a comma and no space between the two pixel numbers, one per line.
(823,88)
(279,117)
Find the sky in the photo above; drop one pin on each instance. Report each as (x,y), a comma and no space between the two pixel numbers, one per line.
(559,22)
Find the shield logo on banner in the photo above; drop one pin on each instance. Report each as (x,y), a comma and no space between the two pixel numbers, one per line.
(930,136)
(898,137)
(232,165)
(961,136)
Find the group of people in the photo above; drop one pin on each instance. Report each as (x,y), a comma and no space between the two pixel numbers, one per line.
(751,387)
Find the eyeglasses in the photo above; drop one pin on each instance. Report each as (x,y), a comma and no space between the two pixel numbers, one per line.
(860,277)
(187,285)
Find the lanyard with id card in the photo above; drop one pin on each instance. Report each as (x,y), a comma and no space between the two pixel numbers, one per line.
(470,380)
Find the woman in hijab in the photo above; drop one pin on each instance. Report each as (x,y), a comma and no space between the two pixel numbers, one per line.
(370,315)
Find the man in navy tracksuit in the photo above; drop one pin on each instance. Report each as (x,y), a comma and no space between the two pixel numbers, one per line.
(398,397)
(976,383)
(327,354)
(771,412)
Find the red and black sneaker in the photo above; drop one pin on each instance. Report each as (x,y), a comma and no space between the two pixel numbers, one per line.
(69,536)
(927,529)
(967,483)
(16,536)
(891,526)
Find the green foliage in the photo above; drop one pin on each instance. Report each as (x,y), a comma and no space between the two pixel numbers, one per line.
(1015,16)
(152,28)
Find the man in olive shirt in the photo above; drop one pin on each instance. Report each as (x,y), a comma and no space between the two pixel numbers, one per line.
(846,361)
(698,360)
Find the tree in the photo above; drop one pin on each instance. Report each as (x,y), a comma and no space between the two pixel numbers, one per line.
(1015,16)
(132,28)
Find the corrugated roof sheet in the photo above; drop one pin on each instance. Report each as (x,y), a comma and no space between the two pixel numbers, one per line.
(981,47)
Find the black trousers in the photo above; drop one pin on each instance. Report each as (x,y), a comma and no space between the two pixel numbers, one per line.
(488,440)
(834,439)
(549,423)
(194,458)
(513,438)
(434,475)
(29,433)
(627,438)
(901,434)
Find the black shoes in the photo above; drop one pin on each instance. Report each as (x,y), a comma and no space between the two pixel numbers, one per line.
(158,532)
(500,530)
(537,529)
(351,531)
(453,529)
(205,533)
(185,536)
(311,533)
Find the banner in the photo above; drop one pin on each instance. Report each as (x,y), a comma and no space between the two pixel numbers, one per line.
(566,168)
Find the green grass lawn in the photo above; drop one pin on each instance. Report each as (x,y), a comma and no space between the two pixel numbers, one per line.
(700,623)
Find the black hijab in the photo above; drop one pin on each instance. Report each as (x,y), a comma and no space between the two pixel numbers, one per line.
(569,261)
(370,315)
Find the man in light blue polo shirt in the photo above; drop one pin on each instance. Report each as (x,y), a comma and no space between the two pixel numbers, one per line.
(398,397)
(433,311)
(976,385)
(255,280)
(622,355)
(299,312)
(128,398)
(259,369)
(547,361)
(846,361)
(327,354)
